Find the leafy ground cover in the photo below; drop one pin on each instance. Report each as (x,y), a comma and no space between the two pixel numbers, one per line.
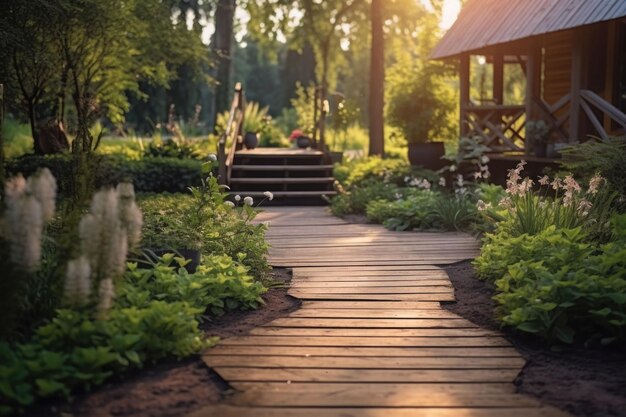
(108,317)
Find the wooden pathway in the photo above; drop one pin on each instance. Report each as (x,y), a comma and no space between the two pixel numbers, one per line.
(371,339)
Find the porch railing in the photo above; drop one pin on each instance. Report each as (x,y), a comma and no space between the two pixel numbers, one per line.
(500,126)
(232,135)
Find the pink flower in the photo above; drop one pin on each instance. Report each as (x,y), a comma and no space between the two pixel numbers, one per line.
(545,180)
(594,184)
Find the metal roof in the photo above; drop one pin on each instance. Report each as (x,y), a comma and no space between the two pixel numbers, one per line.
(483,23)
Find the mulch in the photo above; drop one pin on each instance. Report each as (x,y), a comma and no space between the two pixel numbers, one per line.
(174,388)
(582,381)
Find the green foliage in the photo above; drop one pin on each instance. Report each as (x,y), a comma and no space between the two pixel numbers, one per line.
(558,286)
(17,138)
(356,200)
(255,117)
(170,148)
(156,315)
(609,159)
(359,171)
(204,222)
(147,174)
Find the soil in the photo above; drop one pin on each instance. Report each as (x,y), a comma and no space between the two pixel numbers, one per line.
(582,381)
(175,388)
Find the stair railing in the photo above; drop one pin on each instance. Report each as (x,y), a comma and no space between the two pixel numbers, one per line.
(233,134)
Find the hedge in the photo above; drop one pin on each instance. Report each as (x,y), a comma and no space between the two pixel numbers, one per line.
(154,175)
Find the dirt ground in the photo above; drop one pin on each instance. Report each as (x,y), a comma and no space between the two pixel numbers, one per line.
(174,388)
(585,382)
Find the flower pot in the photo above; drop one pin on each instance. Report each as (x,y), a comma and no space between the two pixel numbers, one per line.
(303,142)
(251,140)
(427,155)
(540,150)
(336,157)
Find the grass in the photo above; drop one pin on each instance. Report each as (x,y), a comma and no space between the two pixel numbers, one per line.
(17,138)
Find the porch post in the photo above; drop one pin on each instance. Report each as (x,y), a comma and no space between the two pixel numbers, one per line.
(533,82)
(464,86)
(498,79)
(578,77)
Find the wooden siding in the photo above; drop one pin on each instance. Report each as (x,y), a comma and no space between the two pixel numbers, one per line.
(557,66)
(484,23)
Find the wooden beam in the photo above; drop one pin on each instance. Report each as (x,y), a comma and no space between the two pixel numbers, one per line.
(464,86)
(533,81)
(498,79)
(578,77)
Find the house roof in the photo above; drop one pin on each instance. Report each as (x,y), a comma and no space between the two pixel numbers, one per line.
(484,23)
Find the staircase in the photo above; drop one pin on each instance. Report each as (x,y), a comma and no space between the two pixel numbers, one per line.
(293,175)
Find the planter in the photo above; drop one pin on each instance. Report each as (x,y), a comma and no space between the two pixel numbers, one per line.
(251,140)
(540,150)
(303,142)
(427,155)
(193,255)
(336,157)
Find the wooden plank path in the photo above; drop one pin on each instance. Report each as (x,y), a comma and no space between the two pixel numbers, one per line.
(371,338)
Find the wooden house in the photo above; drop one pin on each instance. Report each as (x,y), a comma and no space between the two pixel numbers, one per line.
(573,56)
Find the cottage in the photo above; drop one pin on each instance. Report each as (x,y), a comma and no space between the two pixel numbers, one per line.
(573,55)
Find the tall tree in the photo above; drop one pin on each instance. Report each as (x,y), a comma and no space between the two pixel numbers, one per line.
(222,46)
(377,81)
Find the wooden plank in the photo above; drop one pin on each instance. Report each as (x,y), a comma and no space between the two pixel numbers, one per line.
(370,398)
(234,411)
(355,313)
(372,323)
(359,289)
(366,375)
(350,387)
(373,297)
(366,341)
(362,363)
(356,263)
(346,268)
(396,305)
(300,283)
(353,273)
(351,351)
(365,332)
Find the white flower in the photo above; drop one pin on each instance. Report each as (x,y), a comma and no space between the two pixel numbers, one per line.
(482,206)
(506,203)
(398,196)
(594,184)
(248,201)
(229,203)
(130,214)
(106,293)
(78,281)
(442,181)
(212,157)
(237,198)
(269,195)
(25,222)
(478,175)
(484,159)
(584,206)
(44,187)
(452,168)
(459,180)
(545,180)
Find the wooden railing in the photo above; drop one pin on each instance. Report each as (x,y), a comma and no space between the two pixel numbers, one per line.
(233,135)
(500,126)
(610,112)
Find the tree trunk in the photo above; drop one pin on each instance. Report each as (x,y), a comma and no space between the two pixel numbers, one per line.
(2,141)
(323,94)
(223,50)
(377,81)
(32,119)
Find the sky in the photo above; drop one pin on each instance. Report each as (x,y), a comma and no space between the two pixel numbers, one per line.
(451,10)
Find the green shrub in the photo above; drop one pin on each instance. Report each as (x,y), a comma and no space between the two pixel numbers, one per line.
(202,221)
(147,174)
(609,159)
(563,289)
(359,171)
(156,315)
(356,200)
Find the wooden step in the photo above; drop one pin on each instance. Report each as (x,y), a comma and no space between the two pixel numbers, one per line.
(282,167)
(278,153)
(298,180)
(286,194)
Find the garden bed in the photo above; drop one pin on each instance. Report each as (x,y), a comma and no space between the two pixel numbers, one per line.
(173,388)
(583,381)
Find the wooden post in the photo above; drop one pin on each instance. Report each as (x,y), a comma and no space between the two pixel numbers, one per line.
(611,56)
(577,80)
(498,79)
(533,82)
(241,105)
(1,140)
(464,87)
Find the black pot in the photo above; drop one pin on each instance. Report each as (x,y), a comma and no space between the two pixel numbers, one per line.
(541,150)
(251,140)
(193,255)
(427,155)
(304,142)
